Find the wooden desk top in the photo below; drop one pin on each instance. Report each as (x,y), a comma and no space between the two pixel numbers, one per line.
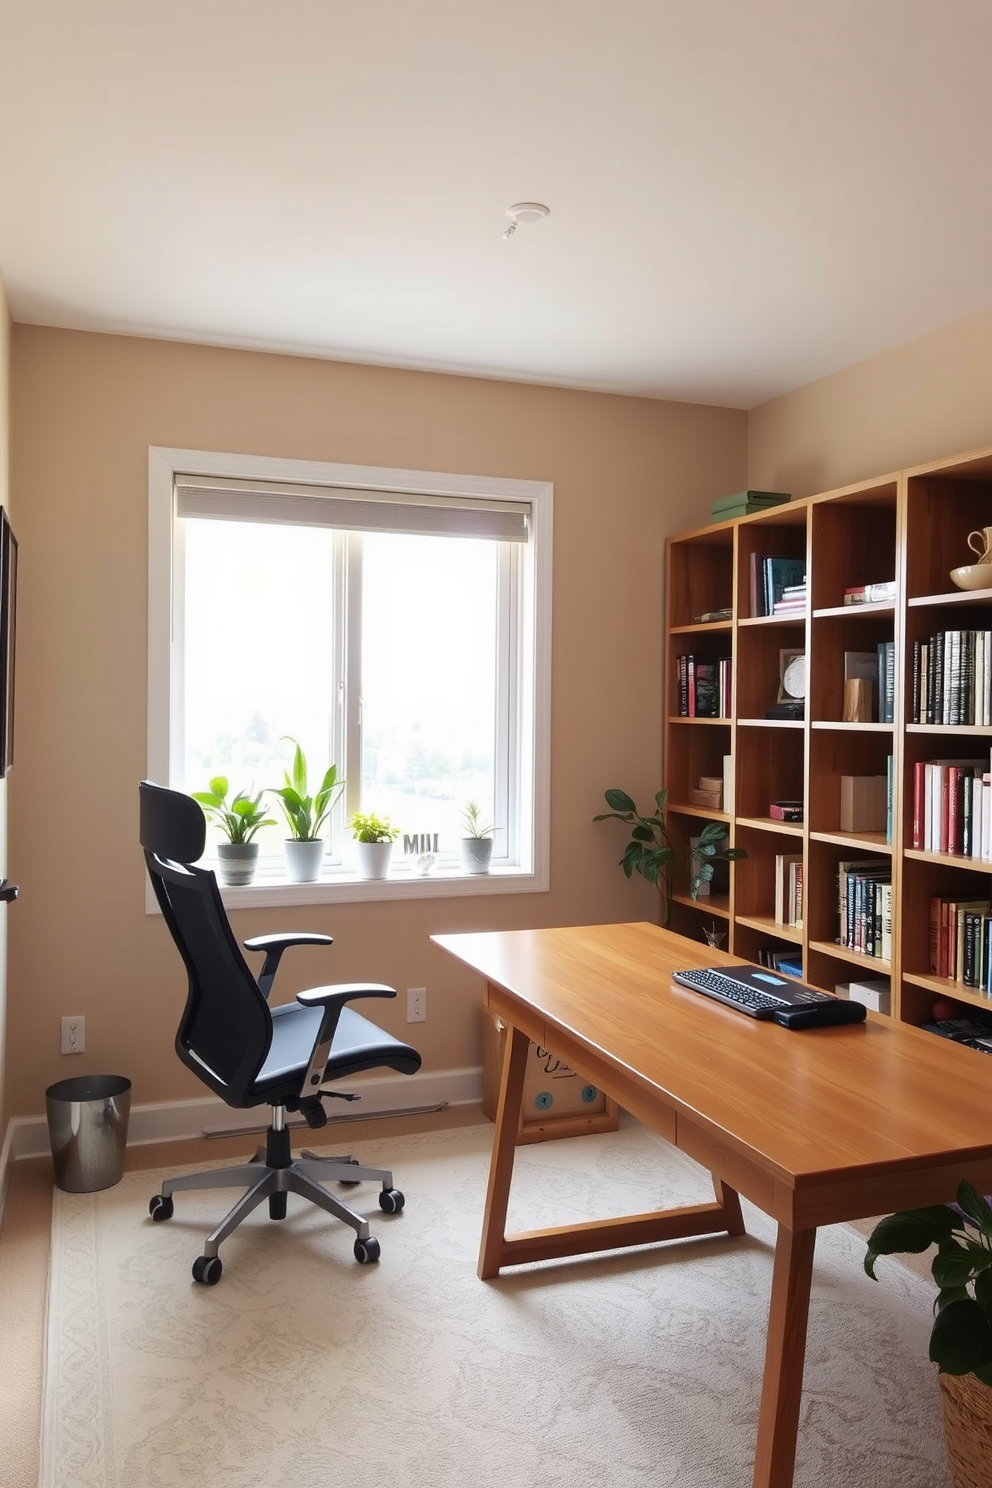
(814,1126)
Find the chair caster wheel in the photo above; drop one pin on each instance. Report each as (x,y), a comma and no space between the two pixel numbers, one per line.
(391,1201)
(366,1250)
(160,1206)
(208,1270)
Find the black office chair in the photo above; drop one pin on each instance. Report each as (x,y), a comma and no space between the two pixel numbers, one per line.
(250,1054)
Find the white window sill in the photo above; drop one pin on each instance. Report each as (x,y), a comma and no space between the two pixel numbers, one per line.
(339,886)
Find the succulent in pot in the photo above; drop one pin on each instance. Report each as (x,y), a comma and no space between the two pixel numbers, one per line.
(477,841)
(374,838)
(305,815)
(239,820)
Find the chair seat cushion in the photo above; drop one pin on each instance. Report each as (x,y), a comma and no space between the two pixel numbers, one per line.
(358,1045)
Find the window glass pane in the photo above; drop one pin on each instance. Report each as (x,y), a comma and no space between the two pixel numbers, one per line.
(429,652)
(259,626)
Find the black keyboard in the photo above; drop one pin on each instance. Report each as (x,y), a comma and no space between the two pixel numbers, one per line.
(796,1006)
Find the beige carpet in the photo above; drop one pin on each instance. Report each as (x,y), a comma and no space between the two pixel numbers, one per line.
(303,1367)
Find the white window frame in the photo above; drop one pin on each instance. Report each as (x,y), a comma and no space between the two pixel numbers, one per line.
(533,687)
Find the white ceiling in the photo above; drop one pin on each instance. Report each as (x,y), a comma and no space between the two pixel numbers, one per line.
(745,194)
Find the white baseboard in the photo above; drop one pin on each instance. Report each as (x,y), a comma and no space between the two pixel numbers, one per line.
(167,1121)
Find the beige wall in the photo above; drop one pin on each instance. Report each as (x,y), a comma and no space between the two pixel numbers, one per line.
(85,409)
(926,400)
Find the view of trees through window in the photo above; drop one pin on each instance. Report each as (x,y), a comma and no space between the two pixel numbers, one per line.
(260,664)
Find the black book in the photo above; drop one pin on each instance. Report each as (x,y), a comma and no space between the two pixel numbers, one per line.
(707,689)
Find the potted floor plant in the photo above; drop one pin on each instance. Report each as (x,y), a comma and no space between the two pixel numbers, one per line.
(651,854)
(305,816)
(374,838)
(239,820)
(961,1336)
(477,843)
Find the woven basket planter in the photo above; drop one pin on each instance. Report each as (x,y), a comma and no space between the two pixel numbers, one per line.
(967,1408)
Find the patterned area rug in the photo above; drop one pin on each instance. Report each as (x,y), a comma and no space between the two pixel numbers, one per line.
(639,1369)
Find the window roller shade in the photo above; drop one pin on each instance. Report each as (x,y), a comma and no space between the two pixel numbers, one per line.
(351,509)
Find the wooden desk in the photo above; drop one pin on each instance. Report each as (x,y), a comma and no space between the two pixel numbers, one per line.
(814,1127)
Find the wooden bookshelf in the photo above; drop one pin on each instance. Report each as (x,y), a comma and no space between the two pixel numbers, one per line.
(911,526)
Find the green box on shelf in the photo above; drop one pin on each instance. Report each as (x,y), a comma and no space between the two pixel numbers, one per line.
(741,503)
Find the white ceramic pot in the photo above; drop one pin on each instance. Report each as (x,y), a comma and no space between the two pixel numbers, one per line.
(476,852)
(236,863)
(303,859)
(373,859)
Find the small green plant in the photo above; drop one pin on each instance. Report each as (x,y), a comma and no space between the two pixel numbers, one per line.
(304,813)
(961,1337)
(367,827)
(240,820)
(651,854)
(472,819)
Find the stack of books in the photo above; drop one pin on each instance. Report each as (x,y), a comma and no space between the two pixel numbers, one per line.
(789,889)
(952,678)
(952,807)
(961,941)
(743,502)
(792,600)
(703,686)
(791,962)
(871,593)
(864,906)
(770,576)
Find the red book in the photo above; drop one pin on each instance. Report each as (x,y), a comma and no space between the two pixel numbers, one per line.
(953,844)
(919,796)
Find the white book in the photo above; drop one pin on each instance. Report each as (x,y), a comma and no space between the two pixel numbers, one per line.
(987,818)
(886,922)
(987,680)
(977,689)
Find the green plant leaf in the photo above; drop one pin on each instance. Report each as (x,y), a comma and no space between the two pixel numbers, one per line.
(961,1338)
(976,1208)
(619,800)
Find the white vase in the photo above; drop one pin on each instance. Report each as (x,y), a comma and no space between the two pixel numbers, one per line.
(236,862)
(476,852)
(373,859)
(303,859)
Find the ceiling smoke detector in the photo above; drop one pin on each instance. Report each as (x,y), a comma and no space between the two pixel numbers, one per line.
(525,212)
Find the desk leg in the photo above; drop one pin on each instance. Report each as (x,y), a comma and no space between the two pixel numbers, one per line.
(511,1094)
(785,1354)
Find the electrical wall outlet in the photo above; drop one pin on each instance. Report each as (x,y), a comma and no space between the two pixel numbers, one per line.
(416,1004)
(74,1035)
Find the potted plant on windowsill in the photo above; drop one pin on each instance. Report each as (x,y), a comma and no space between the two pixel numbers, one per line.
(239,821)
(477,843)
(961,1336)
(306,815)
(651,854)
(374,838)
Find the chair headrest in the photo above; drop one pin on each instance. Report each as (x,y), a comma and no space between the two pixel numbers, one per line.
(172,825)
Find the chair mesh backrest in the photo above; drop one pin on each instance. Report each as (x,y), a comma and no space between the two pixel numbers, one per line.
(226,1027)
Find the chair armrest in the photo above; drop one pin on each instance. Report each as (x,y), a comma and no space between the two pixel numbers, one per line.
(332,1000)
(274,945)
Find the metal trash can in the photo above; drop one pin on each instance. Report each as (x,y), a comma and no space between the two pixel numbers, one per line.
(87,1127)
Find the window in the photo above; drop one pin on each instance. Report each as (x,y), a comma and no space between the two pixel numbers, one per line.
(394,623)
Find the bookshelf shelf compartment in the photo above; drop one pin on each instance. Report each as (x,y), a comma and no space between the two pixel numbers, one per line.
(772,824)
(850,957)
(768,926)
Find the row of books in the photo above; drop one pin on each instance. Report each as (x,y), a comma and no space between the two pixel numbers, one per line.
(864,906)
(770,576)
(789,889)
(704,686)
(961,941)
(792,600)
(791,961)
(952,807)
(952,678)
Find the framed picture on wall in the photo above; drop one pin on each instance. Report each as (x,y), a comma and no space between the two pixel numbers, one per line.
(8,636)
